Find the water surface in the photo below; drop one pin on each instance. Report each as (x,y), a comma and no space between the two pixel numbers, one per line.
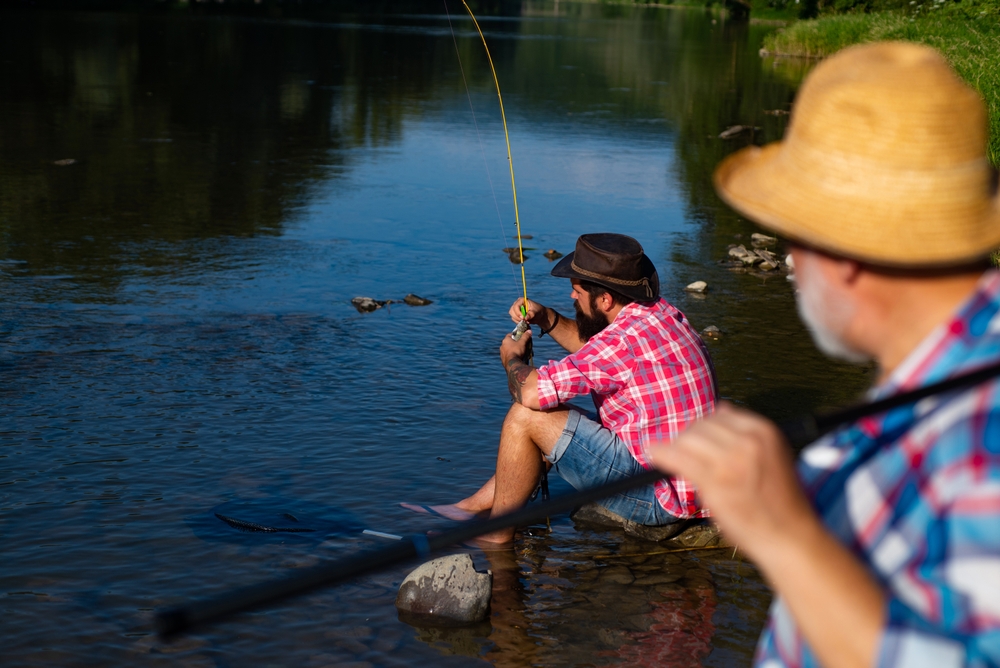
(176,333)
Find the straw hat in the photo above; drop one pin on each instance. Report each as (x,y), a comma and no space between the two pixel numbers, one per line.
(884,161)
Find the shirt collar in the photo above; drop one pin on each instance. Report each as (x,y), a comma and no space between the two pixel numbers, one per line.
(939,354)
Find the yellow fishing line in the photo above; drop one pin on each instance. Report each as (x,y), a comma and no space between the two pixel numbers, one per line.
(510,160)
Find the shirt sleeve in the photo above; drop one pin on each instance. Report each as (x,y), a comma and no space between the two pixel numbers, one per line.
(944,600)
(599,366)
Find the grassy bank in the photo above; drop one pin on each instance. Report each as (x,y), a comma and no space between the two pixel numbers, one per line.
(967,33)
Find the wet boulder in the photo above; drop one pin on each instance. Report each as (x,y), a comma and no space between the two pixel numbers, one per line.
(679,535)
(758,239)
(743,255)
(367,304)
(414,300)
(697,286)
(448,590)
(595,513)
(553,254)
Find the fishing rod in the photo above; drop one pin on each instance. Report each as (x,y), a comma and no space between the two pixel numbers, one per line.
(798,432)
(522,326)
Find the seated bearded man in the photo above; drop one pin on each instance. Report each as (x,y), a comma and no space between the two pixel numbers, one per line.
(646,368)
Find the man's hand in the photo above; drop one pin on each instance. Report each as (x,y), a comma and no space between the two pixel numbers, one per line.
(511,349)
(742,468)
(537,314)
(522,380)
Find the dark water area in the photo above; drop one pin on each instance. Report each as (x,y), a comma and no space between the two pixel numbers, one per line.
(188,203)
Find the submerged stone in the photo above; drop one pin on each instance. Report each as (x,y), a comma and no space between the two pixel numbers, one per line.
(553,254)
(446,590)
(712,333)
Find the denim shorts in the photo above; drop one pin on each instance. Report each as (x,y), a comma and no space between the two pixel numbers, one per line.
(588,454)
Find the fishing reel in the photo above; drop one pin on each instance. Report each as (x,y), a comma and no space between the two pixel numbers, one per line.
(519,331)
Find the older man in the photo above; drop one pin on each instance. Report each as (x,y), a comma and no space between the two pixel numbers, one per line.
(646,368)
(884,546)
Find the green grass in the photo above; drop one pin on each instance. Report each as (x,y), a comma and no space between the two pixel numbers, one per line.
(967,33)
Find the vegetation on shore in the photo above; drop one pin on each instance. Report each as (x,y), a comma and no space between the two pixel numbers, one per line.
(967,32)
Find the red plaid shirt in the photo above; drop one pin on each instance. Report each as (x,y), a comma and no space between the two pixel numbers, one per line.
(650,376)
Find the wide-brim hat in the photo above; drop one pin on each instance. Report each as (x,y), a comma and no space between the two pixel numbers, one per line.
(883,161)
(614,261)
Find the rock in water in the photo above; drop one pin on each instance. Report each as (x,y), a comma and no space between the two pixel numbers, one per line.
(734,130)
(712,333)
(553,254)
(595,513)
(758,239)
(697,286)
(449,589)
(738,252)
(366,304)
(414,300)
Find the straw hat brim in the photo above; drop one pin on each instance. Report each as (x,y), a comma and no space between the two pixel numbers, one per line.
(763,186)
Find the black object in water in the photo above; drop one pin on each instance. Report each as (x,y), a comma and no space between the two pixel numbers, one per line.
(243,525)
(273,518)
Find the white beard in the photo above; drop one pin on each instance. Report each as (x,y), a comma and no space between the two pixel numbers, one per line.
(826,315)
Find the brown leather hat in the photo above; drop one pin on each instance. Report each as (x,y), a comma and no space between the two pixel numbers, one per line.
(614,261)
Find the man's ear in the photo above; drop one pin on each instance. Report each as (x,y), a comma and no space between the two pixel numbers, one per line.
(848,270)
(607,302)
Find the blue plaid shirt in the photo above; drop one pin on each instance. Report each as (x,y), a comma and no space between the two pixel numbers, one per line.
(915,494)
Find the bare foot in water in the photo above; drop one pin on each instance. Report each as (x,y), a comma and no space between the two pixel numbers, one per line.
(448,512)
(492,542)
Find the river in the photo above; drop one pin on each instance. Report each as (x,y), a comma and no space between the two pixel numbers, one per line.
(189,202)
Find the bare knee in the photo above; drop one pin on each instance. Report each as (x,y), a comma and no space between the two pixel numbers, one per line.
(518,417)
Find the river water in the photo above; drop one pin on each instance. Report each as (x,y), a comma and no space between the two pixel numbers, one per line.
(188,204)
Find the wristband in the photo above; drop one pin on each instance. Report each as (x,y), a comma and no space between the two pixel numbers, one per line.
(555,322)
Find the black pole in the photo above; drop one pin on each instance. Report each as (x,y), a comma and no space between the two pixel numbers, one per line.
(798,432)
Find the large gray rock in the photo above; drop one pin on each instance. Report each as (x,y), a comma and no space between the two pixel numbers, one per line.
(446,590)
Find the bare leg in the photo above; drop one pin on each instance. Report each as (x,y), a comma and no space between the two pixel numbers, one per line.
(526,436)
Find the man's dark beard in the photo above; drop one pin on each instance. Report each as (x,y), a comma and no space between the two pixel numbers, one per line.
(589,325)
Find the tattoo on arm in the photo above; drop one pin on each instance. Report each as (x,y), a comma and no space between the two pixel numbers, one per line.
(517,375)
